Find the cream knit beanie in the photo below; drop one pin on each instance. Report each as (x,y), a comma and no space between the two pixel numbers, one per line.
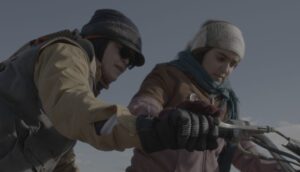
(219,34)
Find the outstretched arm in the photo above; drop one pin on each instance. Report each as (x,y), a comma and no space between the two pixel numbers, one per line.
(62,80)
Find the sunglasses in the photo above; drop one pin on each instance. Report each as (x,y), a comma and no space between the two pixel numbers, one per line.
(127,53)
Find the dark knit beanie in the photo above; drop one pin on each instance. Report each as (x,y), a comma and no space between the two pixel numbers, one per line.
(113,25)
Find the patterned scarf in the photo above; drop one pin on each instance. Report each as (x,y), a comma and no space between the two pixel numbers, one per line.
(190,66)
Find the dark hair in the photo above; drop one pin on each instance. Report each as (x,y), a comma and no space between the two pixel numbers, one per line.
(99,47)
(199,53)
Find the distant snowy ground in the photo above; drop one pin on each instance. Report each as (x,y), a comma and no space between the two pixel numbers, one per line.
(91,160)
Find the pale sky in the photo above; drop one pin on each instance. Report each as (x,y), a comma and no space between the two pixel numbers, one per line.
(267,81)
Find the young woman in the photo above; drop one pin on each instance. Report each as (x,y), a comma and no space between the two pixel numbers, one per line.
(200,73)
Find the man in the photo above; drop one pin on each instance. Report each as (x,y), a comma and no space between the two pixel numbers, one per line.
(48,98)
(200,73)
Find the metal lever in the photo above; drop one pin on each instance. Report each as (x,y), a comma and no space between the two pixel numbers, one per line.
(235,130)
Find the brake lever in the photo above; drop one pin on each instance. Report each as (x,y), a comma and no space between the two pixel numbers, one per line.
(235,130)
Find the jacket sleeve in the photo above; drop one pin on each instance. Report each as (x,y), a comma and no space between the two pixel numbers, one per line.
(152,95)
(248,163)
(62,80)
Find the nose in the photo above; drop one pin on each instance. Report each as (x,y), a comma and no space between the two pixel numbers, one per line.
(226,68)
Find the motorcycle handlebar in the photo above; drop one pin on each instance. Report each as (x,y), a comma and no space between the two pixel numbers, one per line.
(236,130)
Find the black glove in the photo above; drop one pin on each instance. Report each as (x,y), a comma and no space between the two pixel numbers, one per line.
(177,129)
(211,112)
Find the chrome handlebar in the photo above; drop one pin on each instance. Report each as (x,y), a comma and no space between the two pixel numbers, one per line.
(237,130)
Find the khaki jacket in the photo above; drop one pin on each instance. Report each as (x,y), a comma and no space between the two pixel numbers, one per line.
(62,76)
(166,86)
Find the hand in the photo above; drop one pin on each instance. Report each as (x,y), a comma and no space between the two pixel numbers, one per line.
(177,129)
(211,112)
(194,131)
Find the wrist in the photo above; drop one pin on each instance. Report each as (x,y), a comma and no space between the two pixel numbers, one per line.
(148,136)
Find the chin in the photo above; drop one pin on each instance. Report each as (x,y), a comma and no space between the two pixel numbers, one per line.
(219,81)
(112,80)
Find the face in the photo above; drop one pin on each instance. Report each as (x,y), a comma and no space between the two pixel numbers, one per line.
(219,63)
(114,62)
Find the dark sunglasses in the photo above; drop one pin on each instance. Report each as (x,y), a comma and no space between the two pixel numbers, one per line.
(127,53)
